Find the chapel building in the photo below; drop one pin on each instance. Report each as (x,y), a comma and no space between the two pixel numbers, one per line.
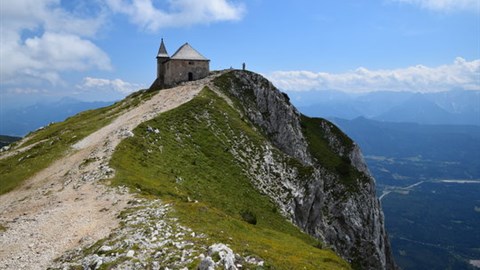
(186,64)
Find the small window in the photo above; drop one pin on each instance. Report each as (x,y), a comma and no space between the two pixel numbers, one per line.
(190,76)
(190,62)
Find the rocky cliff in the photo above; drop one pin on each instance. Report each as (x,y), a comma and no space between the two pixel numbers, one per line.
(333,202)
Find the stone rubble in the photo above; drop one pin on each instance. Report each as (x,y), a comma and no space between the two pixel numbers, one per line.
(225,255)
(150,238)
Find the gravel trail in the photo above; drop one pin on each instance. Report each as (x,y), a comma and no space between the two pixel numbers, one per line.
(64,206)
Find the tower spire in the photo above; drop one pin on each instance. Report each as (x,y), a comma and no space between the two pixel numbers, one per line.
(162,51)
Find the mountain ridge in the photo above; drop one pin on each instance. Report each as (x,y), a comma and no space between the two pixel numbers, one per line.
(281,167)
(455,107)
(6,140)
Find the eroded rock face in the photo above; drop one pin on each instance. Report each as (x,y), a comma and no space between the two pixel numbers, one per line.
(312,196)
(270,110)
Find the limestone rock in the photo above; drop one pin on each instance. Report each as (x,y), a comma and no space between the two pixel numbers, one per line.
(226,255)
(125,133)
(130,253)
(351,222)
(207,264)
(105,249)
(268,108)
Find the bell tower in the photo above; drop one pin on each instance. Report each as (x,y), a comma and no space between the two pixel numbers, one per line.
(162,57)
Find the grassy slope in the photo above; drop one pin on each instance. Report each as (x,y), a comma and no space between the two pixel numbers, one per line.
(190,160)
(54,141)
(349,176)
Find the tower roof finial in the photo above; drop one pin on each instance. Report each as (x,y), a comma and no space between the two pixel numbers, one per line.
(162,51)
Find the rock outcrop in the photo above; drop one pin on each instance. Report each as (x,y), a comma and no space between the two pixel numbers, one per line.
(343,213)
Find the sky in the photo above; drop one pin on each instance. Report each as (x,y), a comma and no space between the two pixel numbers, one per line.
(105,49)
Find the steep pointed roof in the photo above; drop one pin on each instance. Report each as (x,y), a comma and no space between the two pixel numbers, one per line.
(186,52)
(162,51)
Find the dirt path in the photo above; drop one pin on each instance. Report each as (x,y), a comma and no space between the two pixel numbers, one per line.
(64,206)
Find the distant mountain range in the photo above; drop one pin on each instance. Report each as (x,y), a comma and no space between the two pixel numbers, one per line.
(19,122)
(6,140)
(403,140)
(456,107)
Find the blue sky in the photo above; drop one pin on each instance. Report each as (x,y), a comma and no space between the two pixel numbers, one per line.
(105,49)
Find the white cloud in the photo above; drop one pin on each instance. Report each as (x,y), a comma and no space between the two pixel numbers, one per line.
(117,85)
(48,14)
(460,74)
(179,12)
(46,55)
(445,5)
(40,39)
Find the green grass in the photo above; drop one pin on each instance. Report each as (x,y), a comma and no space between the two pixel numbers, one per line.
(190,160)
(3,228)
(320,149)
(54,141)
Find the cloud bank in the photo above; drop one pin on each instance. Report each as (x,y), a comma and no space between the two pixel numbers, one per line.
(460,74)
(178,12)
(117,85)
(445,5)
(40,39)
